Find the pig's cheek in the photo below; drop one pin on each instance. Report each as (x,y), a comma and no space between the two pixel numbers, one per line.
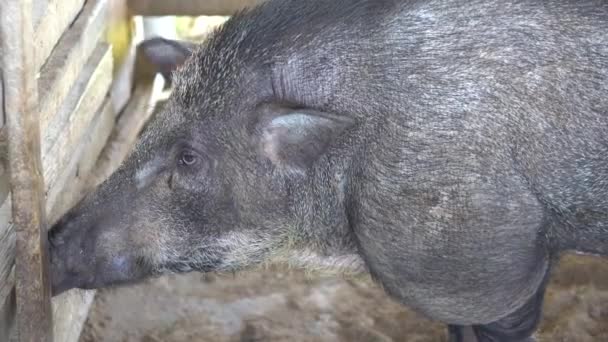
(157,245)
(111,242)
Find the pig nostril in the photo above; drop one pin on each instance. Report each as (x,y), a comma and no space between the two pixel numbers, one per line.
(53,237)
(59,230)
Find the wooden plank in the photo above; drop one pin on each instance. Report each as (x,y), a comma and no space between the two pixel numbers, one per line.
(7,247)
(69,57)
(59,14)
(38,9)
(120,29)
(33,306)
(7,309)
(88,161)
(2,117)
(7,240)
(4,174)
(130,122)
(120,33)
(71,312)
(188,8)
(75,114)
(68,187)
(7,244)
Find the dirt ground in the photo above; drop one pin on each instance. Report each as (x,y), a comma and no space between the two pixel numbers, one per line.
(273,306)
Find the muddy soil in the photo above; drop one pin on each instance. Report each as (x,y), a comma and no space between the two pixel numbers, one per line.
(276,306)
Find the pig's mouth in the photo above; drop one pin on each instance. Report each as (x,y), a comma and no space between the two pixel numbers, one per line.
(62,279)
(72,269)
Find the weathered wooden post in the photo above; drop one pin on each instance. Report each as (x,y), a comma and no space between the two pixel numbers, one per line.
(33,314)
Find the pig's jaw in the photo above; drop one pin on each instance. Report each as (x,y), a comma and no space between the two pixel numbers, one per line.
(345,264)
(232,252)
(239,251)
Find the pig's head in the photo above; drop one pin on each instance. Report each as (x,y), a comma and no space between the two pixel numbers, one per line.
(221,180)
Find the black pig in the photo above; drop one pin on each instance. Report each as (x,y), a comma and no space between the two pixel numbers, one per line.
(452,149)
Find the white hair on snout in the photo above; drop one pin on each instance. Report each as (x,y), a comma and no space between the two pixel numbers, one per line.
(145,174)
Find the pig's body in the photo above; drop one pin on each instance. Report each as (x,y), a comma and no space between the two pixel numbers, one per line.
(454,149)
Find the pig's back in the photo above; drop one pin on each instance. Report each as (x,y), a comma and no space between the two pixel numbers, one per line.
(504,92)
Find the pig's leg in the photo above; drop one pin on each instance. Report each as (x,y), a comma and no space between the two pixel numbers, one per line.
(519,325)
(457,333)
(516,327)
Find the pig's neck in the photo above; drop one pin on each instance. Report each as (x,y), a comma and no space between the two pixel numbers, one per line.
(324,240)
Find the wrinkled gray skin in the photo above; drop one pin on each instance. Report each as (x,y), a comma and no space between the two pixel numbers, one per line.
(452,149)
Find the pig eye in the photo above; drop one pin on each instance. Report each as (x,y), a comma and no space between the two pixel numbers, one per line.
(187,158)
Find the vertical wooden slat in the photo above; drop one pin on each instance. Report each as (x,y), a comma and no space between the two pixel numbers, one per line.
(34,322)
(120,34)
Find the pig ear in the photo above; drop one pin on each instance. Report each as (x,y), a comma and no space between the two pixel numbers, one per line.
(298,138)
(166,54)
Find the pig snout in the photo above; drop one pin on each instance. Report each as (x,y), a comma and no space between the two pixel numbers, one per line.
(80,259)
(68,251)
